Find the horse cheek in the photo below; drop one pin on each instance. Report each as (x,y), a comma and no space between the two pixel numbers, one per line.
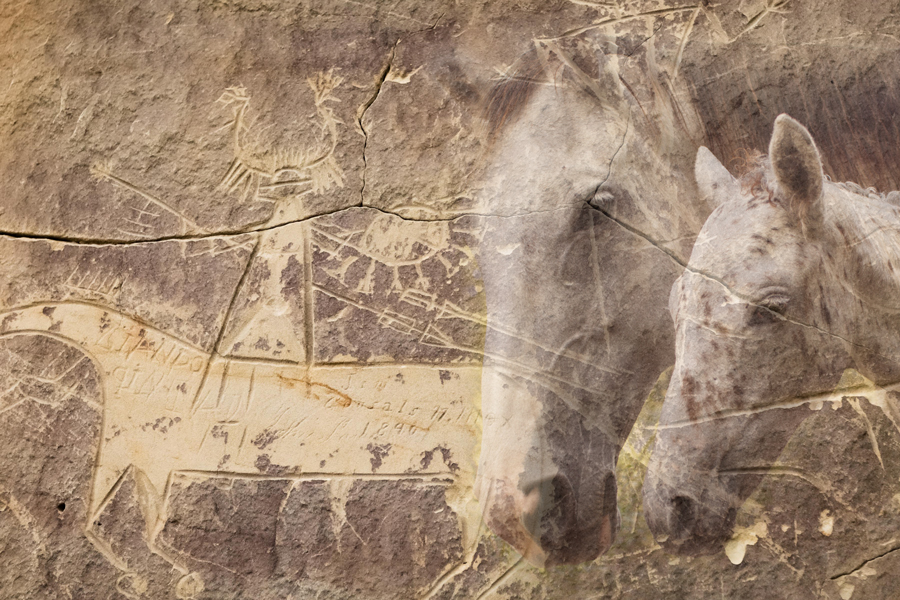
(688,392)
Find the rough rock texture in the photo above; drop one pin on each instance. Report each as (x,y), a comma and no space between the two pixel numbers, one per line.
(338,300)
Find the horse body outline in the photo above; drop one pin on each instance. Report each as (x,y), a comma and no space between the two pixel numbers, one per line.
(169,407)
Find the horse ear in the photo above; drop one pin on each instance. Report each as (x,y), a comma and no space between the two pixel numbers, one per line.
(716,184)
(797,166)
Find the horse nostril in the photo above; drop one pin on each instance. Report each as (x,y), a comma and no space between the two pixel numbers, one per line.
(683,514)
(609,493)
(610,502)
(553,508)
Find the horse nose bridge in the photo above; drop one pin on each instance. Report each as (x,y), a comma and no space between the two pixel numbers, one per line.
(703,381)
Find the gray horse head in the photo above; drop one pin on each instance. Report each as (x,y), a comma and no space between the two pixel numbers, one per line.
(790,282)
(576,266)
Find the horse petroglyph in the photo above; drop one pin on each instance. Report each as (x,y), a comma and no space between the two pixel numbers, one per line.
(169,408)
(341,300)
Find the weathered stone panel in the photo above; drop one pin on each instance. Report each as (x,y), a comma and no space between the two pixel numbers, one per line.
(348,299)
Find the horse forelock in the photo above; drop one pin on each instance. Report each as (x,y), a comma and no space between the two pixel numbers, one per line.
(760,187)
(514,90)
(573,65)
(755,183)
(509,96)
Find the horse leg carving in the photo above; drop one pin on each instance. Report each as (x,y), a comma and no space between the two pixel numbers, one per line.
(130,584)
(149,493)
(151,498)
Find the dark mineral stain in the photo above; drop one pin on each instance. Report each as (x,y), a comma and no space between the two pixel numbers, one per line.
(427,457)
(688,393)
(219,432)
(446,456)
(379,451)
(163,427)
(265,465)
(8,319)
(264,439)
(292,279)
(48,310)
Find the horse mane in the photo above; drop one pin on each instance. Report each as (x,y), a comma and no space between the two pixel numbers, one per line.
(509,96)
(867,221)
(658,113)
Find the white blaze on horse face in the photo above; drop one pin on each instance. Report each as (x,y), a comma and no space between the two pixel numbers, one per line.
(559,150)
(513,425)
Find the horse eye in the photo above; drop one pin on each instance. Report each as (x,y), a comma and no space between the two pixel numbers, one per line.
(777,304)
(768,310)
(762,315)
(601,198)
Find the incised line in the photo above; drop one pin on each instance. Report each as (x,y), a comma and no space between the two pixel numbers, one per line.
(864,563)
(649,13)
(361,113)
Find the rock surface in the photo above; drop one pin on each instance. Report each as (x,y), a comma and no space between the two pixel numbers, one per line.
(262,282)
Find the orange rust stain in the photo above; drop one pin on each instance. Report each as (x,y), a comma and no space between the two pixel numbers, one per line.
(340,398)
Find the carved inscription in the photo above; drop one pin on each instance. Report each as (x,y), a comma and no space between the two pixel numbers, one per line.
(169,408)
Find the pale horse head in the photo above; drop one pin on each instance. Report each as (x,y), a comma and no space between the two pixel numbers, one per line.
(791,281)
(589,202)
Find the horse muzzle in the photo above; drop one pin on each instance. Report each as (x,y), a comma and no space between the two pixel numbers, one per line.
(687,521)
(551,523)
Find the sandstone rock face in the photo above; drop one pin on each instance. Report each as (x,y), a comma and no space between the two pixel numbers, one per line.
(344,300)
